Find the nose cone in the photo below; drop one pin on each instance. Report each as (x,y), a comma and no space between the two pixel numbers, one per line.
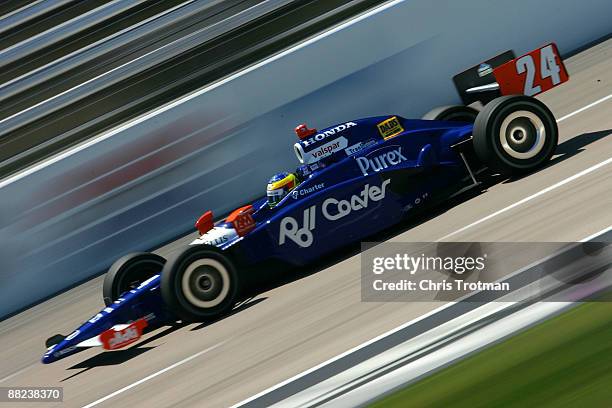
(61,350)
(48,359)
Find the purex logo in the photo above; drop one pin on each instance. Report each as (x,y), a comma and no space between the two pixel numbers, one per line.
(380,160)
(330,132)
(332,210)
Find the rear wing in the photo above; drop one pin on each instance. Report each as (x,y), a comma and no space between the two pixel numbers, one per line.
(531,74)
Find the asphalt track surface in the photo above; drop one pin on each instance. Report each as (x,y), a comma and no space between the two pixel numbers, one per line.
(301,324)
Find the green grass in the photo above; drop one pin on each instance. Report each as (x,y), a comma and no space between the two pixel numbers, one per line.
(563,362)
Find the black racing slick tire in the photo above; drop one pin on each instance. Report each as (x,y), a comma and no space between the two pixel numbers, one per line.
(453,113)
(128,272)
(200,283)
(515,134)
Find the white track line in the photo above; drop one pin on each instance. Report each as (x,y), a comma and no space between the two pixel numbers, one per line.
(546,190)
(590,105)
(21,371)
(339,356)
(531,197)
(147,378)
(593,236)
(367,343)
(567,180)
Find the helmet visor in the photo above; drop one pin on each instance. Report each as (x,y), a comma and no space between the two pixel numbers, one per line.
(275,196)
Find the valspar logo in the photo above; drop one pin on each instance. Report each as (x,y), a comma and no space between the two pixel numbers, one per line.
(378,160)
(330,132)
(326,150)
(332,209)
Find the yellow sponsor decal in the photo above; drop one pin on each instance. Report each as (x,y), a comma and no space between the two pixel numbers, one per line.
(390,128)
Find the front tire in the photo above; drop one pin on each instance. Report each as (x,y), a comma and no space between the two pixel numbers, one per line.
(199,283)
(128,272)
(515,134)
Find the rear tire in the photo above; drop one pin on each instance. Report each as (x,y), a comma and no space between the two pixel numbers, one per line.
(452,113)
(515,134)
(129,271)
(200,283)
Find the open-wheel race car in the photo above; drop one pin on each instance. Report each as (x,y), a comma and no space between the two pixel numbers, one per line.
(355,179)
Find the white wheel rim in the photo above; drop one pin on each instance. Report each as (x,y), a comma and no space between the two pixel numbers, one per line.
(193,269)
(515,132)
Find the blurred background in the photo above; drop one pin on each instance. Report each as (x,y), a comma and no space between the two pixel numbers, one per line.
(122,121)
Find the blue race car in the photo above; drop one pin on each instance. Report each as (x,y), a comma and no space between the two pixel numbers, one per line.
(355,179)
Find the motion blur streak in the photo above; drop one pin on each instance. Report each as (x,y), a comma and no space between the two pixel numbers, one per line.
(155,374)
(531,197)
(408,67)
(297,326)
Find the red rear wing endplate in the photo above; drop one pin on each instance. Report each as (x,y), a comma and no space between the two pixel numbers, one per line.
(533,73)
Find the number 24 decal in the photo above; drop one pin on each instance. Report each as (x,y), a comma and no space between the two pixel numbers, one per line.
(548,69)
(533,73)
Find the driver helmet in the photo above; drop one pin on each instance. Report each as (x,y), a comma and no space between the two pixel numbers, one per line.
(279,186)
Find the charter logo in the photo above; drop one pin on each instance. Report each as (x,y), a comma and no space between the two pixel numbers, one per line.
(380,161)
(297,193)
(332,209)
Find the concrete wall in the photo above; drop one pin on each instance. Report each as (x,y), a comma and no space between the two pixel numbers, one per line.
(147,181)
